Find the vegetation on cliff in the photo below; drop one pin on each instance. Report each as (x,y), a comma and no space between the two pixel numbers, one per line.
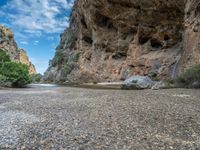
(13,74)
(9,45)
(190,78)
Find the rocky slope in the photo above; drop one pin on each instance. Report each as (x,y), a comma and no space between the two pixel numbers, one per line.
(110,40)
(8,44)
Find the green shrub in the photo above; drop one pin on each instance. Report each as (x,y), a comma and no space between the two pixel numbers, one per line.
(58,58)
(74,57)
(70,64)
(67,68)
(14,73)
(4,81)
(36,78)
(71,38)
(68,42)
(4,57)
(189,77)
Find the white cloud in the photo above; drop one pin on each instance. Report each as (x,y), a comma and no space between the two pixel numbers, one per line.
(37,16)
(50,38)
(35,42)
(24,42)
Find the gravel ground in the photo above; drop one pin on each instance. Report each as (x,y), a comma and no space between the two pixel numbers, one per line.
(59,118)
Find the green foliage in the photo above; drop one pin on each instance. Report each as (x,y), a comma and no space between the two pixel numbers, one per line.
(70,39)
(58,58)
(36,78)
(189,77)
(4,81)
(73,57)
(4,57)
(12,74)
(67,41)
(16,74)
(67,68)
(68,65)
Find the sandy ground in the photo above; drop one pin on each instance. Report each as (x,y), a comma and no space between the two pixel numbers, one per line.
(54,118)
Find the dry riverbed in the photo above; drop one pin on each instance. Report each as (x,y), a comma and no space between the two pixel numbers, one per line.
(77,118)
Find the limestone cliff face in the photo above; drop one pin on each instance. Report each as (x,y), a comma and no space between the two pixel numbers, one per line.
(191,36)
(23,58)
(114,39)
(8,44)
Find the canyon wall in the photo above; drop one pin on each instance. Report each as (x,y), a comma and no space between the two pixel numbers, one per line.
(23,58)
(110,40)
(8,44)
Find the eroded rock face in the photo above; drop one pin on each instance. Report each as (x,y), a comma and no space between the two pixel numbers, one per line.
(23,58)
(116,39)
(191,37)
(8,44)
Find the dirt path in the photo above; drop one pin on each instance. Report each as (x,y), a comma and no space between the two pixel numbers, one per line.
(74,118)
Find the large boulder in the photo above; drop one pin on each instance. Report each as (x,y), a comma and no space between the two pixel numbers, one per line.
(196,85)
(138,82)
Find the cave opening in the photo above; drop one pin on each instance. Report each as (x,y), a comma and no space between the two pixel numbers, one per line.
(83,22)
(156,43)
(88,39)
(104,22)
(143,39)
(119,55)
(166,37)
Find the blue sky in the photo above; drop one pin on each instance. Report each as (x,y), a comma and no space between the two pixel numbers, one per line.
(37,25)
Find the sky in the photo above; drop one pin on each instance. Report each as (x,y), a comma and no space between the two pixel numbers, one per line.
(37,25)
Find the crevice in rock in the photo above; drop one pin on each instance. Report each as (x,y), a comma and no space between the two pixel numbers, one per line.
(119,55)
(124,4)
(88,39)
(143,39)
(156,43)
(166,37)
(83,22)
(103,21)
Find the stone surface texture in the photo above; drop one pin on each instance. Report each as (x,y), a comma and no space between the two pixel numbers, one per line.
(23,58)
(138,82)
(116,39)
(66,118)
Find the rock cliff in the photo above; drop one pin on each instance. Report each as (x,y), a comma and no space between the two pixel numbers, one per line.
(23,58)
(110,40)
(8,44)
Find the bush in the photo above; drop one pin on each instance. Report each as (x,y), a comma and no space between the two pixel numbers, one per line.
(70,39)
(58,58)
(67,68)
(74,57)
(4,57)
(14,73)
(4,81)
(189,77)
(36,78)
(69,65)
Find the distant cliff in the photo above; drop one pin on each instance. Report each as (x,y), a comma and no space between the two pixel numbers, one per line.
(112,40)
(8,44)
